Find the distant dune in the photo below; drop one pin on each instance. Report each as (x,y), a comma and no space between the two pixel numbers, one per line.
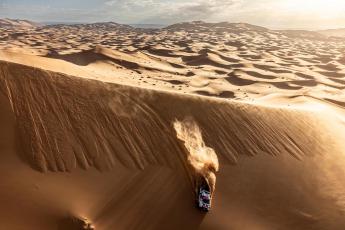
(17,23)
(333,32)
(148,26)
(105,126)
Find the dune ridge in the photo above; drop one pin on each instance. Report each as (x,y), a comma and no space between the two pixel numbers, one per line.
(30,102)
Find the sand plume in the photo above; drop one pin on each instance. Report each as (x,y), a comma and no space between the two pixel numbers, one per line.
(74,223)
(200,156)
(202,159)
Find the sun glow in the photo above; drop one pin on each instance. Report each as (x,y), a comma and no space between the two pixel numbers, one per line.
(319,8)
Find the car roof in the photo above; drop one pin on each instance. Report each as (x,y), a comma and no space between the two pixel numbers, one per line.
(205,191)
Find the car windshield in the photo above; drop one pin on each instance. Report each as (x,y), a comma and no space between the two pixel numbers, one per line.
(203,192)
(205,195)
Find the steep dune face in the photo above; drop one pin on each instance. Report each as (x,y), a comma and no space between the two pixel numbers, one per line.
(120,121)
(114,154)
(47,102)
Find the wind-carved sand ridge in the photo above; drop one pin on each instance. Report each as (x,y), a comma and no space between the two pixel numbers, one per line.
(115,136)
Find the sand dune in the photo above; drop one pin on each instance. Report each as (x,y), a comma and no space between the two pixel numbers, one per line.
(202,58)
(333,32)
(6,22)
(113,128)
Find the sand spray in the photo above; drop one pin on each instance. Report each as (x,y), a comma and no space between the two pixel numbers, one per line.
(202,159)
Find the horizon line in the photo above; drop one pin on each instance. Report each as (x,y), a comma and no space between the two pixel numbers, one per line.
(168,24)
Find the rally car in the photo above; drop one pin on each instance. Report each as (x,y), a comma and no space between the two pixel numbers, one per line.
(204,199)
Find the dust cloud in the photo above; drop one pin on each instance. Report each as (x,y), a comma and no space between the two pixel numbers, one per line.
(202,159)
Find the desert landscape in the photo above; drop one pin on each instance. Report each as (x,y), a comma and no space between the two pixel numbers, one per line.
(106,126)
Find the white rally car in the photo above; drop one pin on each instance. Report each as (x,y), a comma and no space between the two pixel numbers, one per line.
(204,199)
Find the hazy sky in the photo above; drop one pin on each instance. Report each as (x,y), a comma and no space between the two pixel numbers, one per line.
(311,14)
